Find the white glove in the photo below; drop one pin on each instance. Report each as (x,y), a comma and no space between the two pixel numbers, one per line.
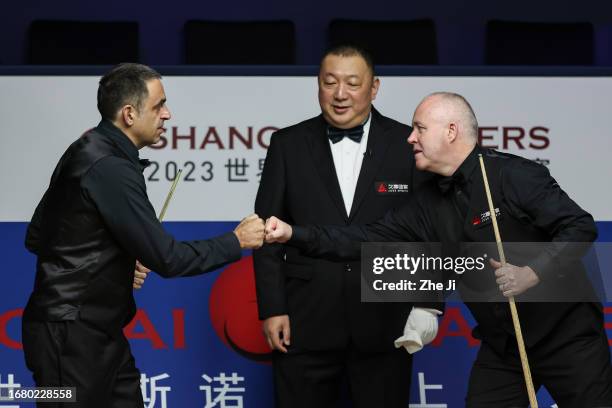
(421,328)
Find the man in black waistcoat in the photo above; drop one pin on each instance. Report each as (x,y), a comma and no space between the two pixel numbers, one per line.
(566,342)
(330,169)
(93,222)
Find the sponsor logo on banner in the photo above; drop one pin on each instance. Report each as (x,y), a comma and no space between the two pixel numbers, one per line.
(234,155)
(233,311)
(504,138)
(216,137)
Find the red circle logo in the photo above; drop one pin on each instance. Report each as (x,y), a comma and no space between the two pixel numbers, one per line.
(233,311)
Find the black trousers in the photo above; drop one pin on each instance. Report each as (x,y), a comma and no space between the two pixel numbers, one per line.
(309,379)
(573,363)
(77,354)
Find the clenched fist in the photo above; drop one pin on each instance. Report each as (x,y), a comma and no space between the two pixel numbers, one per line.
(250,232)
(277,230)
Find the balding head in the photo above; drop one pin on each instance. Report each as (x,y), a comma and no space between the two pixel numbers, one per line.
(452,107)
(445,132)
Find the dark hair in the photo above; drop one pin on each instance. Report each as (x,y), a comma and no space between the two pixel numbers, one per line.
(351,50)
(124,84)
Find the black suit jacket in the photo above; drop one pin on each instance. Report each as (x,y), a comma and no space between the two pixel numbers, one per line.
(299,185)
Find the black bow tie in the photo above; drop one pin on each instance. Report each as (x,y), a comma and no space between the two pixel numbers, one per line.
(446,183)
(336,135)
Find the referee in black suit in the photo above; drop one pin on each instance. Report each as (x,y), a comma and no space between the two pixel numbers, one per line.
(335,168)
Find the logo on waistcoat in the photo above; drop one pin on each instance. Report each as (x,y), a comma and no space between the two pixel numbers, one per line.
(390,187)
(484,218)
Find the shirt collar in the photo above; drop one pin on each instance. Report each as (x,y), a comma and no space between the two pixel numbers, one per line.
(123,142)
(463,172)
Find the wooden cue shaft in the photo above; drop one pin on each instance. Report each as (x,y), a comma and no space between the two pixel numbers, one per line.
(162,213)
(513,311)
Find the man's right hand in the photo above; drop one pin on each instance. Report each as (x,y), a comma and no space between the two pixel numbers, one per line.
(250,232)
(277,230)
(277,332)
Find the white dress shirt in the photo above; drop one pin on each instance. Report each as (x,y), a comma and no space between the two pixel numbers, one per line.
(348,156)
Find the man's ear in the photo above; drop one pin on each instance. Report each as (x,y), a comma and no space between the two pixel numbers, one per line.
(375,86)
(128,115)
(453,131)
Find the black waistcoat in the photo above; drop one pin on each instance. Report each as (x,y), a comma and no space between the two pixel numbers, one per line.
(81,270)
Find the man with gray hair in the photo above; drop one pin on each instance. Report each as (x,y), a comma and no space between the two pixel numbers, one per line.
(93,222)
(566,342)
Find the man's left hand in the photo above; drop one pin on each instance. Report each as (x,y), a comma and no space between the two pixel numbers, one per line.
(514,280)
(140,274)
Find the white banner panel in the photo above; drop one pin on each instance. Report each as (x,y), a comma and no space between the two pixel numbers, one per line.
(221,126)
